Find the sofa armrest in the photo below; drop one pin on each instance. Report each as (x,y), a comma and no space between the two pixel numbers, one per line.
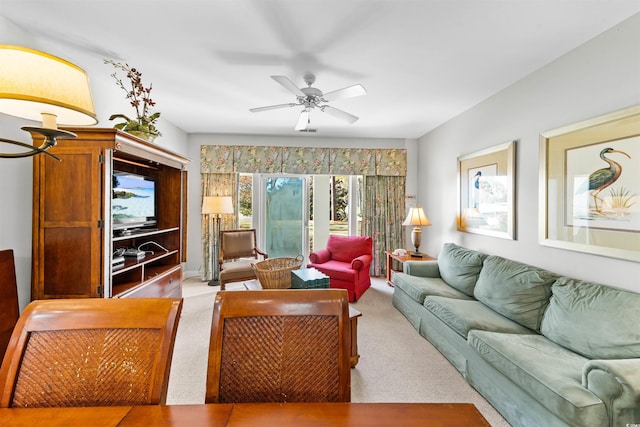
(320,257)
(361,262)
(421,268)
(617,383)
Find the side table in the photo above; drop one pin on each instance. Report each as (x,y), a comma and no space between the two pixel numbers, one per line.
(391,257)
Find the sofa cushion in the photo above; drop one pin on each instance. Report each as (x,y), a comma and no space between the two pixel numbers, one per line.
(464,315)
(346,248)
(549,373)
(459,267)
(594,320)
(420,287)
(518,291)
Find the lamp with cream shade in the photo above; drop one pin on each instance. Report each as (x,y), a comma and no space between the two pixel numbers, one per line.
(37,86)
(215,207)
(417,218)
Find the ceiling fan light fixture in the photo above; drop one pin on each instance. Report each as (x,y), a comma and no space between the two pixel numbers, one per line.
(304,120)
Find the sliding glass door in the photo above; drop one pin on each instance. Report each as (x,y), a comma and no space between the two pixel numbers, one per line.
(294,214)
(286,225)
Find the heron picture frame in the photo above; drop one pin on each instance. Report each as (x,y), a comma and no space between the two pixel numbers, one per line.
(486,191)
(590,186)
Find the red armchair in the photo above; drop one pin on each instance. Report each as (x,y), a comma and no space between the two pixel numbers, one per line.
(346,261)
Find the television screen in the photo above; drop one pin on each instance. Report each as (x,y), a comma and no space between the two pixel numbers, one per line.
(134,200)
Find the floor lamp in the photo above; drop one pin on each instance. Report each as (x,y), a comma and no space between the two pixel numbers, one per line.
(417,218)
(215,207)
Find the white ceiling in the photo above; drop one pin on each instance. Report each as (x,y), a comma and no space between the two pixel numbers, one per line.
(422,62)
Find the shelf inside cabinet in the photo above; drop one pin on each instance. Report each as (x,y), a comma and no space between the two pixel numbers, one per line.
(132,263)
(145,233)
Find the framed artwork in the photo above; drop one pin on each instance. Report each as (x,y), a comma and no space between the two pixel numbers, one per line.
(486,186)
(590,186)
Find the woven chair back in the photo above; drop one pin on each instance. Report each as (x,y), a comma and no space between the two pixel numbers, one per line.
(90,352)
(280,345)
(238,244)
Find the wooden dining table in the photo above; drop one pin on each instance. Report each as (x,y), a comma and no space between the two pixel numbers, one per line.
(251,414)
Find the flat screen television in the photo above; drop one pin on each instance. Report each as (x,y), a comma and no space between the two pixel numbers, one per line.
(133,204)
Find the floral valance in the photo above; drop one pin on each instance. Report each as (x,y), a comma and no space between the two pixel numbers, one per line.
(303,160)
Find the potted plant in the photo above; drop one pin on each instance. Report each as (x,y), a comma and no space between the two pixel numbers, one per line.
(144,125)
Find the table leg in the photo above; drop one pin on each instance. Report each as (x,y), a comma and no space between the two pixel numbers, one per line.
(389,272)
(354,341)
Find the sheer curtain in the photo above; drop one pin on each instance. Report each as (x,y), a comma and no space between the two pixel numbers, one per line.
(382,216)
(216,184)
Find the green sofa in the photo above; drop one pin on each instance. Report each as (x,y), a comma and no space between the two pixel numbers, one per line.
(544,350)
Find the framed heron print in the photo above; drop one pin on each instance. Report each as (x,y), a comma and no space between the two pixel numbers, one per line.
(486,182)
(590,186)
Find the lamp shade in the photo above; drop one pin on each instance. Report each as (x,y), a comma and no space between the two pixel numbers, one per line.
(33,83)
(416,217)
(217,205)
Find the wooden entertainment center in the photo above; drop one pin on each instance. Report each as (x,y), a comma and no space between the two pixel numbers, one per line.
(74,240)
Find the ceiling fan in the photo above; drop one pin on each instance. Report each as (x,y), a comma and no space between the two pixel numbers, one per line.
(311,98)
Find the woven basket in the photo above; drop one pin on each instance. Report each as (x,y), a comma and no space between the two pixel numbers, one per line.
(275,273)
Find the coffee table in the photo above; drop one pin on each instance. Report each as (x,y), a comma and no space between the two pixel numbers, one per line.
(254,285)
(307,278)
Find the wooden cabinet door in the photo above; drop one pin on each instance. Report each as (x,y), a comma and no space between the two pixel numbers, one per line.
(68,238)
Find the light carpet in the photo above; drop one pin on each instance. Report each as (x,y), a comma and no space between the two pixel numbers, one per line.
(396,363)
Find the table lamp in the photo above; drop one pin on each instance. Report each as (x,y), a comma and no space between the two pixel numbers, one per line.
(417,218)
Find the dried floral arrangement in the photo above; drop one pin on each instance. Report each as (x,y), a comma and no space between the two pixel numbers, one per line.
(140,99)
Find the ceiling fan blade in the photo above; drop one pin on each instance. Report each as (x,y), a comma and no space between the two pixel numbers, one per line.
(289,85)
(304,120)
(339,114)
(272,107)
(346,92)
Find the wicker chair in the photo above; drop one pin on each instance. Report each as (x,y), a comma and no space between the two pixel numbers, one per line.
(280,345)
(90,352)
(237,249)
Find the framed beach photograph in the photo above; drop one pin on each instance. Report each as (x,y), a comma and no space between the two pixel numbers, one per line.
(590,186)
(486,186)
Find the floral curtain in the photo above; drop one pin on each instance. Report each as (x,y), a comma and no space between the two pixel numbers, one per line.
(384,170)
(391,162)
(216,158)
(382,217)
(302,160)
(252,159)
(352,161)
(216,184)
(305,160)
